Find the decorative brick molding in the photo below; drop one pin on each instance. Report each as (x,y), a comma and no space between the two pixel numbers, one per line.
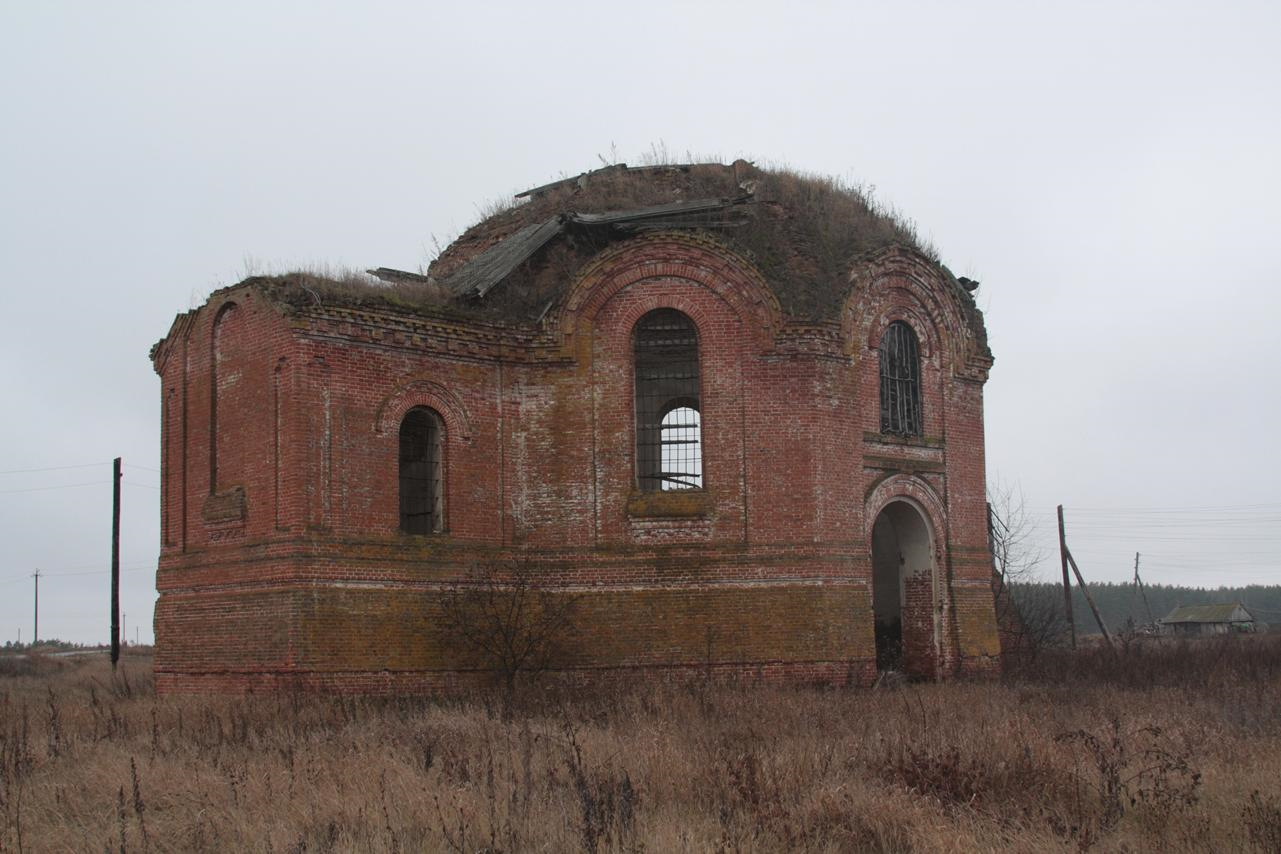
(900,284)
(427,393)
(690,257)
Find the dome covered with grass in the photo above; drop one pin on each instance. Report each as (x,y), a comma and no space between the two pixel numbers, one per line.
(804,233)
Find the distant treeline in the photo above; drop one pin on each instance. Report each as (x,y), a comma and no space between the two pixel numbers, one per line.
(1119,603)
(47,645)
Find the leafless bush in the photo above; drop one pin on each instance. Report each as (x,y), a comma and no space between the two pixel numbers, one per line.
(1031,617)
(514,625)
(1130,767)
(946,775)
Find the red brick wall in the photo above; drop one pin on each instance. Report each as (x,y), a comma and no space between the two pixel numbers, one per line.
(282,558)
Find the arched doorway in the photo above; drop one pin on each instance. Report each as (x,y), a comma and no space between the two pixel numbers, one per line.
(903,590)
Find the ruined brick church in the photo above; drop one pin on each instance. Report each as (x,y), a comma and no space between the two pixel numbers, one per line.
(737,414)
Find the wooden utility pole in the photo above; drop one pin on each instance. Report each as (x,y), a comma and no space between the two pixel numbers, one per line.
(1089,600)
(1139,583)
(115,563)
(35,635)
(1067,583)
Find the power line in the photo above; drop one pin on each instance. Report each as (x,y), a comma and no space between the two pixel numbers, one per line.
(76,486)
(91,565)
(47,488)
(133,567)
(54,468)
(89,572)
(1194,509)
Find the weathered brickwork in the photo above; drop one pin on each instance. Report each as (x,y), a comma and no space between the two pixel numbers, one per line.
(283,565)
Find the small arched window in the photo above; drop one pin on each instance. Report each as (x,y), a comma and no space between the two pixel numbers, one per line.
(421,472)
(900,381)
(669,451)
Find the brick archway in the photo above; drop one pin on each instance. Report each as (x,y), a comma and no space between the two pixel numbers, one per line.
(905,589)
(689,257)
(423,393)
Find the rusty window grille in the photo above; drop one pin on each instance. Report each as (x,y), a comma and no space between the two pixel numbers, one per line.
(669,452)
(900,381)
(421,472)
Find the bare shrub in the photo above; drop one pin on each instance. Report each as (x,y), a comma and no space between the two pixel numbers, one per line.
(944,775)
(1132,767)
(513,624)
(1030,617)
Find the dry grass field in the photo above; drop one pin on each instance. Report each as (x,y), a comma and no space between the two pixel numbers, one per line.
(1162,747)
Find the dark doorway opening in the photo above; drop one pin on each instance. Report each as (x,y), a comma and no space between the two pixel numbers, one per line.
(902,590)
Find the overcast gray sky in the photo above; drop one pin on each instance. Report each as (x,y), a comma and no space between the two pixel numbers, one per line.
(1109,172)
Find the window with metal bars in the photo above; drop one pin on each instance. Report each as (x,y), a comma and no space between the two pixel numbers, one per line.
(421,470)
(669,451)
(900,381)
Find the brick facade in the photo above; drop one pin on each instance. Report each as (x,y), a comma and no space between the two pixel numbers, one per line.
(282,562)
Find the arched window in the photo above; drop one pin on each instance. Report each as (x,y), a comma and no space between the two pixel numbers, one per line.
(900,381)
(669,451)
(421,472)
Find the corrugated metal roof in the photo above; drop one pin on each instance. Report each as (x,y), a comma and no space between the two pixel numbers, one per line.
(483,272)
(1225,612)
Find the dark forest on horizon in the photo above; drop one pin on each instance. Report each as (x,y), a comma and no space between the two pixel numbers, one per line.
(1121,603)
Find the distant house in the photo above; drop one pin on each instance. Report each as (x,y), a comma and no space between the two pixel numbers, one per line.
(1219,619)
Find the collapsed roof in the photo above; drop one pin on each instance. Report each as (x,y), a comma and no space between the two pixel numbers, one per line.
(491,266)
(803,233)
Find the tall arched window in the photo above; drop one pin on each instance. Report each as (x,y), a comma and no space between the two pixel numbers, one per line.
(421,472)
(669,451)
(900,381)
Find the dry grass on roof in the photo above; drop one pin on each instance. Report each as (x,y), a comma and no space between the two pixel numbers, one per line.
(808,233)
(302,288)
(802,231)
